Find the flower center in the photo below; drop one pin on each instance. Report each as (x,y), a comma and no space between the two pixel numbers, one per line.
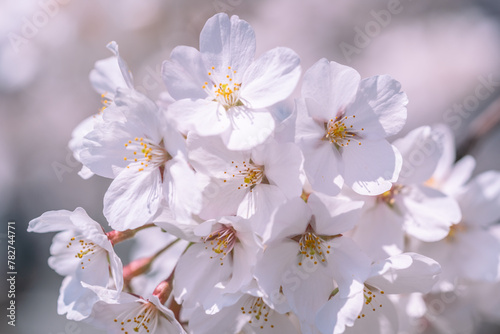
(259,312)
(249,173)
(222,242)
(370,296)
(340,131)
(138,320)
(147,153)
(388,197)
(454,230)
(83,248)
(223,88)
(312,249)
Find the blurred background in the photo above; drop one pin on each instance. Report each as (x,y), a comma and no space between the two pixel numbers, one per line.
(445,53)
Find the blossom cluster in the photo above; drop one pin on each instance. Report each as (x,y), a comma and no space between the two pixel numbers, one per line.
(255,215)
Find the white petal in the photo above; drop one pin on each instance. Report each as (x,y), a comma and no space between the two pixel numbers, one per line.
(405,273)
(282,167)
(85,173)
(106,76)
(458,176)
(334,215)
(380,232)
(53,221)
(126,74)
(308,295)
(143,118)
(383,320)
(290,219)
(480,199)
(111,73)
(421,150)
(210,156)
(180,189)
(248,129)
(133,198)
(206,118)
(243,265)
(329,88)
(116,266)
(259,204)
(348,265)
(165,219)
(228,320)
(338,313)
(74,300)
(225,42)
(429,213)
(185,74)
(307,127)
(80,131)
(104,150)
(174,142)
(448,156)
(197,273)
(370,168)
(271,78)
(275,268)
(222,198)
(134,115)
(380,107)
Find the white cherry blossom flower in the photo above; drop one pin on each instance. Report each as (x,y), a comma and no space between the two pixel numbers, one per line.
(146,158)
(249,183)
(307,258)
(83,253)
(471,251)
(107,76)
(450,176)
(129,314)
(342,123)
(374,311)
(213,271)
(250,315)
(222,90)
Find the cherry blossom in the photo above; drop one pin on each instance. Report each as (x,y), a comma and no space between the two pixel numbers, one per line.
(107,76)
(307,257)
(83,253)
(131,314)
(213,271)
(247,183)
(470,251)
(145,157)
(222,90)
(342,123)
(374,312)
